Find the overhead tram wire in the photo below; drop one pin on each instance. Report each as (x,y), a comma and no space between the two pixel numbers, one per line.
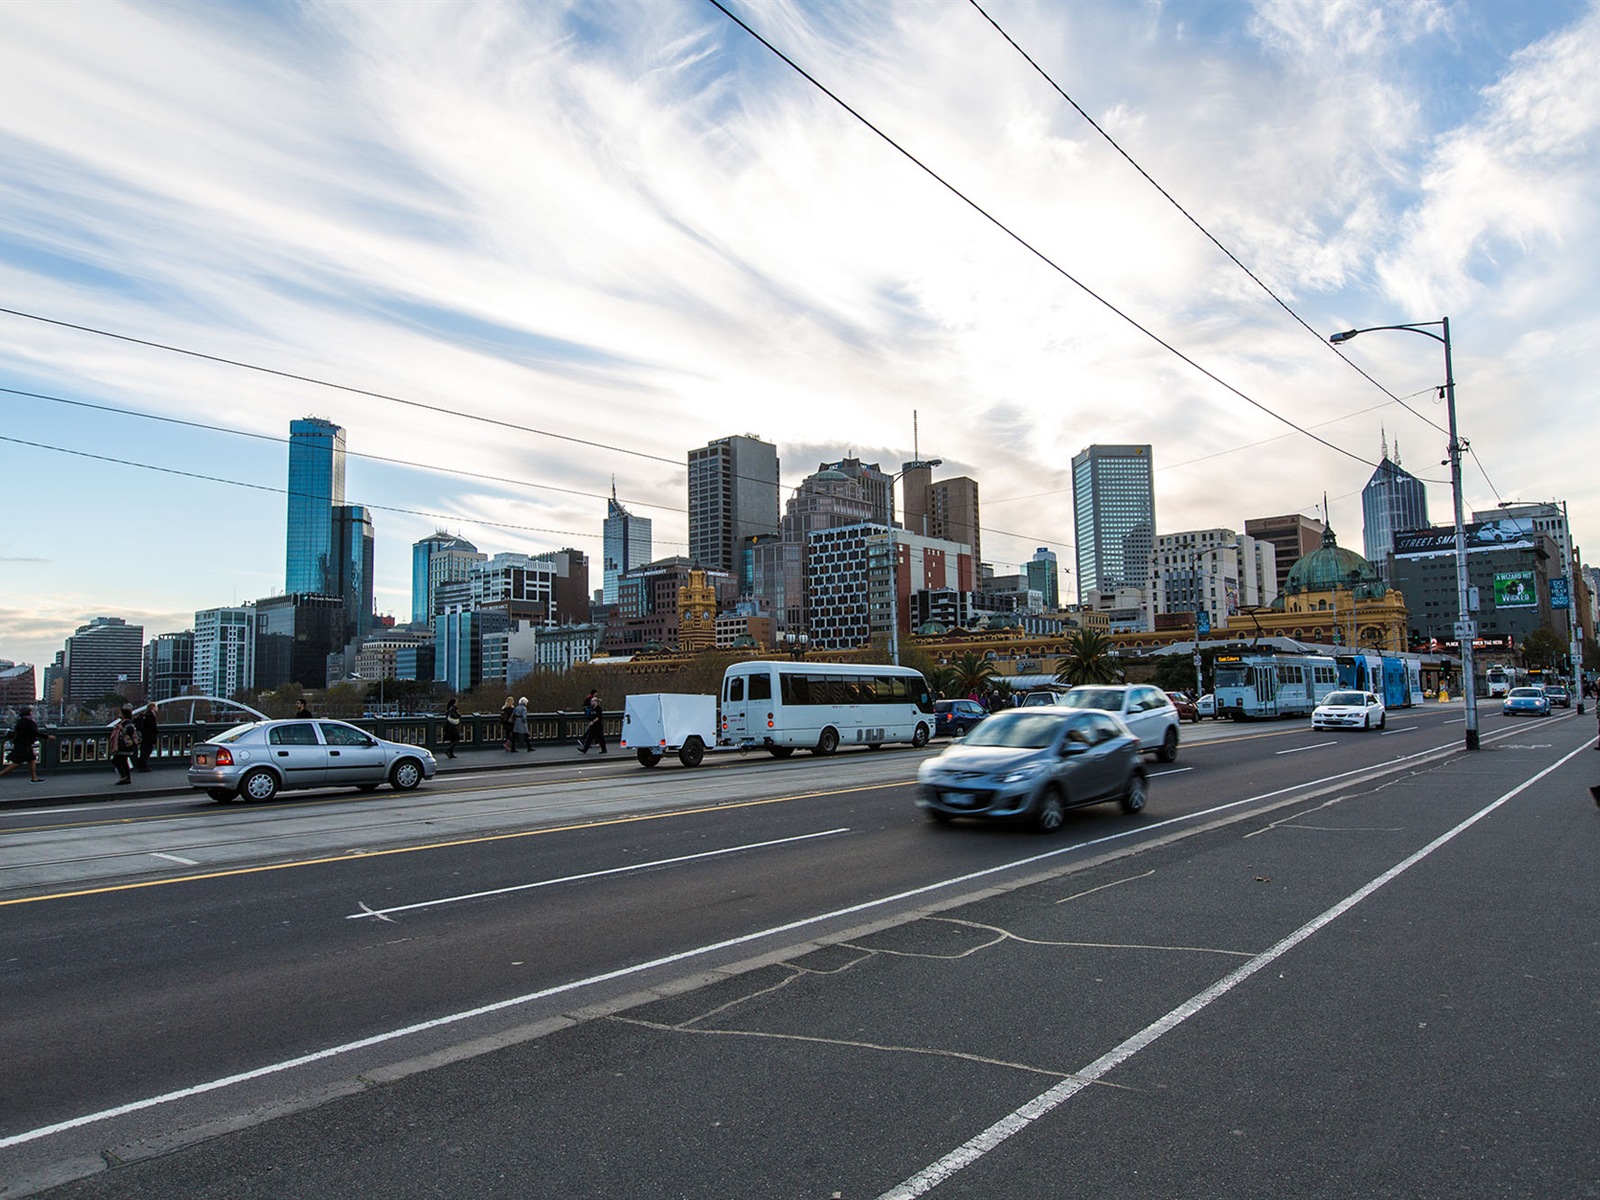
(211,427)
(1028,246)
(1233,258)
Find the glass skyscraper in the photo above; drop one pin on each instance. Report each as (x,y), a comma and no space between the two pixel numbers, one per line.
(316,488)
(627,543)
(353,554)
(1114,509)
(1393,501)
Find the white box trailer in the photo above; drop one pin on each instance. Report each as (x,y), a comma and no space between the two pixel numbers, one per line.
(658,723)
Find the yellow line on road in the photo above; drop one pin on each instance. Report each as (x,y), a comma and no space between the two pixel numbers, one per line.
(357,855)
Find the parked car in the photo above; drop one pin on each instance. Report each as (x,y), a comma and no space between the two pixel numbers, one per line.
(1032,764)
(1206,706)
(1526,700)
(1349,710)
(259,760)
(1144,710)
(1043,698)
(952,718)
(1185,706)
(1558,695)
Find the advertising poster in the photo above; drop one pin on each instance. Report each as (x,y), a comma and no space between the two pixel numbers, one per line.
(1515,589)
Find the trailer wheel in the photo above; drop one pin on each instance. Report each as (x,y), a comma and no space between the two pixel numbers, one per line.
(691,752)
(649,758)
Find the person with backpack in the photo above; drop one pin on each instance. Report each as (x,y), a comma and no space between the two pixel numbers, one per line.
(123,743)
(594,727)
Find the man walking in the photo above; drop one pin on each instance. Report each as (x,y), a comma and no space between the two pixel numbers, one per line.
(26,742)
(594,723)
(149,728)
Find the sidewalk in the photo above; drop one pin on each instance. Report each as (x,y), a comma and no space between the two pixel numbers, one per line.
(85,785)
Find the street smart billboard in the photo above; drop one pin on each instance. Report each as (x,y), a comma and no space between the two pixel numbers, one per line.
(1515,589)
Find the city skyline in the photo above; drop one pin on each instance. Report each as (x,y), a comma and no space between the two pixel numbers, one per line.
(708,246)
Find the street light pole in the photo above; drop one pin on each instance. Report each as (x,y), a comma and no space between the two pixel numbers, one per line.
(1466,627)
(894,562)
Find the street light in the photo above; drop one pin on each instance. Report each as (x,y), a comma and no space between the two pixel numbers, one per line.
(795,643)
(894,561)
(1466,628)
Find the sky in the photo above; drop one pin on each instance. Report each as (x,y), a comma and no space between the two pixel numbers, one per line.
(526,253)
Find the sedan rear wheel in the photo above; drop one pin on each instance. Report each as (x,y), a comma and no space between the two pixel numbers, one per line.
(221,795)
(260,784)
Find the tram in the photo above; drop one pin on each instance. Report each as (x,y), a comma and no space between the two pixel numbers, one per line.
(1395,679)
(1259,686)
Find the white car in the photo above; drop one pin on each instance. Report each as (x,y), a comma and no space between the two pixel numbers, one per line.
(1349,710)
(1145,710)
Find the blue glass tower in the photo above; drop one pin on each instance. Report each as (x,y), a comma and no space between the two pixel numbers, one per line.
(316,487)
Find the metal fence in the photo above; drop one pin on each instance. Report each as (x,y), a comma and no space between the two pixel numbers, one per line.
(85,748)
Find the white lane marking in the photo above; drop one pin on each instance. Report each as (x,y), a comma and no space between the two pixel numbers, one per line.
(542,883)
(188,862)
(1456,721)
(1174,771)
(1402,729)
(1316,746)
(455,1018)
(970,1152)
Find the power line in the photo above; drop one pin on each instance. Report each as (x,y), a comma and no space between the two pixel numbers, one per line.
(1233,258)
(1028,246)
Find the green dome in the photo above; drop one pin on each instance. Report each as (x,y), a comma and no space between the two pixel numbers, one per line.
(1331,567)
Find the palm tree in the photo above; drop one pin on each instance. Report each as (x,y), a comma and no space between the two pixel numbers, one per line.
(1087,660)
(971,673)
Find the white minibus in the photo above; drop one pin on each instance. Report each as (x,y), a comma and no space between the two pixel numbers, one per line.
(778,706)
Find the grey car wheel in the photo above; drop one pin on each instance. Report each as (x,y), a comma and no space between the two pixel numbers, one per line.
(260,784)
(221,795)
(1133,798)
(406,774)
(1051,813)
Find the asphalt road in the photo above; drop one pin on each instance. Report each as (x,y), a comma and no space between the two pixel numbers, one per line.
(766,978)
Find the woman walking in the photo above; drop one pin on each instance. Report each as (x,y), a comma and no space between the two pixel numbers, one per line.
(26,742)
(124,744)
(508,722)
(519,727)
(452,727)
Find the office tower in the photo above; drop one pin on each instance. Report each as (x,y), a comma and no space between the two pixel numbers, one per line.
(877,486)
(1114,511)
(733,495)
(18,685)
(168,665)
(353,559)
(1044,577)
(437,559)
(1394,501)
(294,636)
(1293,536)
(316,487)
(224,651)
(625,544)
(952,509)
(105,656)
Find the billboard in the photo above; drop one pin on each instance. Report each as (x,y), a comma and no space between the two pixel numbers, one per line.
(1559,596)
(1509,534)
(1515,589)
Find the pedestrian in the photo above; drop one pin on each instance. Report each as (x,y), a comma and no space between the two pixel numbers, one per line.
(149,729)
(123,743)
(594,723)
(25,745)
(519,725)
(508,722)
(452,727)
(302,710)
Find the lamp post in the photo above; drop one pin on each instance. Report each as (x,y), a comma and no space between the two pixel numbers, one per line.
(894,562)
(795,643)
(1466,628)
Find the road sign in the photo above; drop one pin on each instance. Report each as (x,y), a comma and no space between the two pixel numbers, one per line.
(1465,630)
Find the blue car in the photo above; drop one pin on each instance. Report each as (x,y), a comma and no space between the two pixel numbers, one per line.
(1528,700)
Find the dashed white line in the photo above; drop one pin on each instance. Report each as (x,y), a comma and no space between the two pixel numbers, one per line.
(1402,729)
(1315,746)
(188,862)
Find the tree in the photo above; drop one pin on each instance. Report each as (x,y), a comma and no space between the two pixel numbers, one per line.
(1543,648)
(1087,660)
(971,673)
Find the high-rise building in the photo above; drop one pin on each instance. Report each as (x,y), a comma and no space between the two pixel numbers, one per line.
(877,486)
(438,558)
(168,665)
(353,564)
(1393,501)
(105,656)
(625,544)
(848,578)
(294,636)
(18,685)
(733,495)
(1214,571)
(826,499)
(953,513)
(1114,512)
(1541,517)
(224,651)
(1044,577)
(1293,536)
(316,487)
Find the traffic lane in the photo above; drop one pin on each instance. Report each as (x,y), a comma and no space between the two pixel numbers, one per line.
(1433,1042)
(891,1048)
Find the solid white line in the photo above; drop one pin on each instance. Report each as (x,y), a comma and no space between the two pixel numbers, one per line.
(1316,746)
(644,866)
(1174,771)
(667,960)
(188,862)
(970,1152)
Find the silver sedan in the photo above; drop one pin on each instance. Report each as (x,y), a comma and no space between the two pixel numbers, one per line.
(259,760)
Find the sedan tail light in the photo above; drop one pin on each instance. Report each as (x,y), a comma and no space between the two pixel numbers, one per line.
(224,758)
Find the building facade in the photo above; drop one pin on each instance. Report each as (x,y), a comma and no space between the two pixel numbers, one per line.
(316,488)
(848,578)
(18,685)
(169,665)
(438,559)
(102,658)
(733,495)
(1114,514)
(1393,501)
(1215,572)
(353,548)
(1293,536)
(1044,576)
(224,651)
(295,634)
(1512,577)
(625,545)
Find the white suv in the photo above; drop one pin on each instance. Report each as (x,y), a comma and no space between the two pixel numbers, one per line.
(1145,710)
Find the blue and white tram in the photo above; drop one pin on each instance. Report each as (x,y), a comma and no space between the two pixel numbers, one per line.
(1261,686)
(1396,678)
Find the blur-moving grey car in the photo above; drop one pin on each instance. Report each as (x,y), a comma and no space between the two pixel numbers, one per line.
(259,760)
(1032,764)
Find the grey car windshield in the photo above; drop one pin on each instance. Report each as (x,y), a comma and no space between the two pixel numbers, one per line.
(1017,730)
(1105,699)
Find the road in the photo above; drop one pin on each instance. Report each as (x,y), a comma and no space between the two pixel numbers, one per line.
(764,978)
